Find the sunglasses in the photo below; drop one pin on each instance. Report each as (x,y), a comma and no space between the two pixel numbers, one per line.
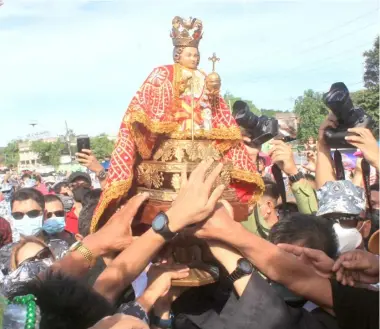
(42,254)
(31,214)
(58,213)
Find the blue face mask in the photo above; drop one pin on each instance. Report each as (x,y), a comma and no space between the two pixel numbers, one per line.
(54,225)
(28,226)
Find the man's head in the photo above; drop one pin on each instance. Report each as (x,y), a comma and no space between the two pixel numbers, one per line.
(268,202)
(90,202)
(344,204)
(62,188)
(27,199)
(79,179)
(306,231)
(188,57)
(25,177)
(64,302)
(28,207)
(55,221)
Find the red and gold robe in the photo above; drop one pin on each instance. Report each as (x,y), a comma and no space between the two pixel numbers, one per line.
(162,106)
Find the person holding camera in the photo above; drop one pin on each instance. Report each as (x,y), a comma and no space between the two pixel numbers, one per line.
(282,155)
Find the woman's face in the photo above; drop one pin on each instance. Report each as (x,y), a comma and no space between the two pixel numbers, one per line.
(29,250)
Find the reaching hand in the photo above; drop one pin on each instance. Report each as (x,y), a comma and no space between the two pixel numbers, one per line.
(217,225)
(365,142)
(159,282)
(120,321)
(330,122)
(195,200)
(357,266)
(116,235)
(282,155)
(321,263)
(87,159)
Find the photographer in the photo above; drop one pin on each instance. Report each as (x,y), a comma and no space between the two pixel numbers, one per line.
(282,155)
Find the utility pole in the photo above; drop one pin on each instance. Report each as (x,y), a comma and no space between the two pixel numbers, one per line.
(67,138)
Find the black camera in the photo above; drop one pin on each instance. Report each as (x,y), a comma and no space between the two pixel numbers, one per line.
(259,129)
(339,102)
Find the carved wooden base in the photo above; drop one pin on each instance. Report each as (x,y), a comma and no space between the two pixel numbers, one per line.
(200,274)
(153,207)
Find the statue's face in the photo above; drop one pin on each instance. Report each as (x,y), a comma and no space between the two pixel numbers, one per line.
(189,58)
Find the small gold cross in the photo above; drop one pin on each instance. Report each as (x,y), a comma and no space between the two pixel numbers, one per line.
(213,59)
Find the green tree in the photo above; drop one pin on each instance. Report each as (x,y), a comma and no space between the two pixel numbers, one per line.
(368,99)
(311,112)
(11,153)
(101,146)
(48,153)
(231,99)
(371,66)
(270,113)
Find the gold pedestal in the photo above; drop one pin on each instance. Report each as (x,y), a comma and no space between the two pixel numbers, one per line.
(161,177)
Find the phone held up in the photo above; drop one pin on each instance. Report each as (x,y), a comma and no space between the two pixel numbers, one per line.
(83,142)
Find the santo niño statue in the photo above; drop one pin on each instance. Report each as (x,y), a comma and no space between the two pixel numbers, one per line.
(177,118)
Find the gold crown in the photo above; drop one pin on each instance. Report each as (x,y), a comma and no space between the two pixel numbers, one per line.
(186,33)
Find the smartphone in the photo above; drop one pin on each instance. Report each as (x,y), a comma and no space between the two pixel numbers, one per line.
(83,142)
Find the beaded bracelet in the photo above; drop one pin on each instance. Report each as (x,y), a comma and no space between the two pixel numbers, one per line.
(29,301)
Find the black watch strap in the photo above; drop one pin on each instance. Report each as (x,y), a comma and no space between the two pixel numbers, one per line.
(295,178)
(160,225)
(244,267)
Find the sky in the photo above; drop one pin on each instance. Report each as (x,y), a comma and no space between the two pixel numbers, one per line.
(81,61)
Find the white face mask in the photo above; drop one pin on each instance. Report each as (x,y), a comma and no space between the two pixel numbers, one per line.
(348,238)
(28,226)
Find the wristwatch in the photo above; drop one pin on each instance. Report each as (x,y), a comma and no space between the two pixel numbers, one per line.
(295,178)
(161,323)
(102,175)
(160,225)
(84,251)
(244,267)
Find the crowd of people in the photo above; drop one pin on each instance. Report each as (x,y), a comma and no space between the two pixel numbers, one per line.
(310,262)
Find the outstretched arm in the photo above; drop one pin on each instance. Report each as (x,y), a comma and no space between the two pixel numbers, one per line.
(325,169)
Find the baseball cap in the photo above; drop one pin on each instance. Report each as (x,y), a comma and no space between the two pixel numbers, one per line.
(78,174)
(341,197)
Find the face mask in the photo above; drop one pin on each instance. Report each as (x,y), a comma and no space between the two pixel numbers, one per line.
(80,192)
(348,238)
(54,225)
(28,226)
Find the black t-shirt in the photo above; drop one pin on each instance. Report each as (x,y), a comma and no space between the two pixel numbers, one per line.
(355,307)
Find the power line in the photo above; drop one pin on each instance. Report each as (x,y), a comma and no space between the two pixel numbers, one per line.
(324,32)
(328,42)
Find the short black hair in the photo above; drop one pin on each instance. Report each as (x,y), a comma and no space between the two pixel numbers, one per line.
(90,201)
(314,232)
(57,187)
(26,176)
(52,198)
(271,189)
(374,187)
(29,193)
(64,302)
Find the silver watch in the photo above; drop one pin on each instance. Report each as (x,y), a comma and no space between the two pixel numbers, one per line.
(102,175)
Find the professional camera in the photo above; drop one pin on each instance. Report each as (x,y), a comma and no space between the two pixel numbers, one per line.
(259,129)
(339,102)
